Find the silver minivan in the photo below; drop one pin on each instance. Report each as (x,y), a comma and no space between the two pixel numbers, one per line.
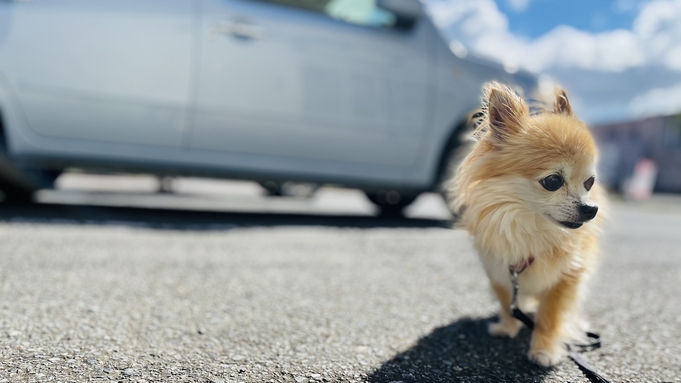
(358,93)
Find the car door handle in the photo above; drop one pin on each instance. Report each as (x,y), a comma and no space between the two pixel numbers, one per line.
(239,29)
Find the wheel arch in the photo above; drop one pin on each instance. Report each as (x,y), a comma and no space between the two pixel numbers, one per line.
(4,116)
(13,179)
(3,134)
(455,140)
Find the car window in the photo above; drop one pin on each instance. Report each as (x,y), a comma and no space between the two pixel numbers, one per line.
(362,12)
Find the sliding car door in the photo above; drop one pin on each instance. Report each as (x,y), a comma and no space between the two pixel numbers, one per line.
(334,81)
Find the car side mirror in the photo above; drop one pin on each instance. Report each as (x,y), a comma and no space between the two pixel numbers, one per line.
(406,11)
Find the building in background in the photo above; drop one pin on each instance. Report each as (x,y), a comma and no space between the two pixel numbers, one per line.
(624,144)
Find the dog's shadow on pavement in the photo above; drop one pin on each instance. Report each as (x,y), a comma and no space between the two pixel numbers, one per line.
(462,352)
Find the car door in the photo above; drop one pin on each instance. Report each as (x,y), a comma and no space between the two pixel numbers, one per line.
(106,70)
(327,80)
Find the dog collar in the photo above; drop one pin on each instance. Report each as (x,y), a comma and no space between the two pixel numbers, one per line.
(522,265)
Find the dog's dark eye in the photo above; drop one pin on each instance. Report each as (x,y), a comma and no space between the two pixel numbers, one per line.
(589,183)
(552,182)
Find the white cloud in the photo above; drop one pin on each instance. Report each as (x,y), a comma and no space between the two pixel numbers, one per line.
(658,101)
(655,38)
(518,5)
(653,42)
(475,14)
(673,58)
(564,47)
(621,6)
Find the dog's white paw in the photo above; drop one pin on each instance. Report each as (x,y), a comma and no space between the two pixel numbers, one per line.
(545,358)
(508,328)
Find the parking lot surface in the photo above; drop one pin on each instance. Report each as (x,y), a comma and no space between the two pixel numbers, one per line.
(139,287)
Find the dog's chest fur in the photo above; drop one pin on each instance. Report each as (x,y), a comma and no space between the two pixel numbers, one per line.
(506,233)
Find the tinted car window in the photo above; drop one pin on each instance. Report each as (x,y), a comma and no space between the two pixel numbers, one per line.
(361,12)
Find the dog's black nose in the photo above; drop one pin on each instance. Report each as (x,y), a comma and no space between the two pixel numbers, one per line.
(587,211)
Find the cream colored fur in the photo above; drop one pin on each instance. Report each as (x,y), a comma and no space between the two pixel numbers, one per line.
(497,194)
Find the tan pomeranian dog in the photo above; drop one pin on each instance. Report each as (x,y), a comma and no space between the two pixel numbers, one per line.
(526,192)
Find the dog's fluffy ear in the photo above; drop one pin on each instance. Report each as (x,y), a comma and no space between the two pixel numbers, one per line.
(562,105)
(505,111)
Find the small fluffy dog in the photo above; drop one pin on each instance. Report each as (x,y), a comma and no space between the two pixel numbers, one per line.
(526,192)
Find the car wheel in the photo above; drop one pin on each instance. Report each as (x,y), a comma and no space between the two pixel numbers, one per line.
(42,178)
(18,193)
(447,172)
(290,189)
(391,202)
(11,196)
(272,189)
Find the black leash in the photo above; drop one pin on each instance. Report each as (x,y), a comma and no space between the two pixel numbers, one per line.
(573,354)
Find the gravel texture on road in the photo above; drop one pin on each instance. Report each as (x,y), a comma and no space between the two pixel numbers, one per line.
(276,298)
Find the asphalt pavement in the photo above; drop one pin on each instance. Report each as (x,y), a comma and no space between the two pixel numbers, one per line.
(218,283)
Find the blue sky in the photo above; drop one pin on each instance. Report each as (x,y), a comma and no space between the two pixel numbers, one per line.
(535,18)
(618,59)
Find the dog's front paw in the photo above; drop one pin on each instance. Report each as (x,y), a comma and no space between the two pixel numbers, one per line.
(507,328)
(545,358)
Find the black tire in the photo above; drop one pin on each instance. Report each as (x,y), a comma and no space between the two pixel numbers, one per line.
(42,178)
(18,194)
(452,154)
(450,163)
(391,202)
(12,196)
(300,190)
(272,189)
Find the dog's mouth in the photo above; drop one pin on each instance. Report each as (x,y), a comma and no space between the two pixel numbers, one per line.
(571,225)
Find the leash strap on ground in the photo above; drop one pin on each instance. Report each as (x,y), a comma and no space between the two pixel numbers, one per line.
(586,368)
(575,356)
